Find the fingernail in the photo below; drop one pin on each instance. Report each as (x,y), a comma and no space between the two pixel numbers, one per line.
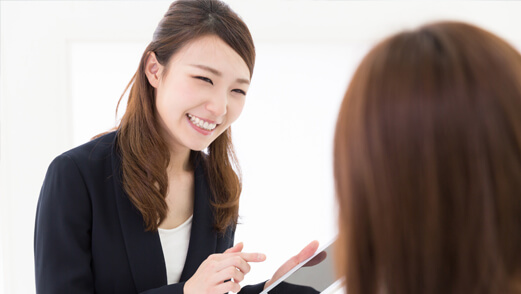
(261,256)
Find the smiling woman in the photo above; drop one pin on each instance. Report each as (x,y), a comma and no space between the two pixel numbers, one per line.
(142,209)
(203,88)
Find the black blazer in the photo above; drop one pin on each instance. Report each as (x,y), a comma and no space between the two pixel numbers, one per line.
(89,238)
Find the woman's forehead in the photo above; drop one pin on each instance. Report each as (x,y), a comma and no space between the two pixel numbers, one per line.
(212,52)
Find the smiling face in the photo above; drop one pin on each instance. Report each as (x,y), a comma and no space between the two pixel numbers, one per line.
(200,93)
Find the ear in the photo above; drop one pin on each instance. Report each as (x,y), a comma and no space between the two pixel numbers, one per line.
(153,70)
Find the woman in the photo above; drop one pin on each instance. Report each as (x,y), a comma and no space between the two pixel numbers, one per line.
(428,165)
(143,209)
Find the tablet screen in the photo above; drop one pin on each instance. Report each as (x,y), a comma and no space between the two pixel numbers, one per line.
(314,276)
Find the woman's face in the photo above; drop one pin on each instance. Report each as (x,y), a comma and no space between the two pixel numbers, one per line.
(201,93)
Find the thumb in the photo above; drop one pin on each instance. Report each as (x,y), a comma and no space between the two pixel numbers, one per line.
(237,248)
(307,252)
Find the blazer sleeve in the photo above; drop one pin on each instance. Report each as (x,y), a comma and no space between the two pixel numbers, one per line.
(178,289)
(169,289)
(252,289)
(62,237)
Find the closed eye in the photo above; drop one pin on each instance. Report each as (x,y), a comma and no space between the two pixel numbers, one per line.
(204,79)
(239,91)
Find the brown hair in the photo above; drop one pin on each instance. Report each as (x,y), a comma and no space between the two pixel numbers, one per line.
(428,165)
(145,154)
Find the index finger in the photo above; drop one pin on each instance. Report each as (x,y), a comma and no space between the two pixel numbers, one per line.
(237,248)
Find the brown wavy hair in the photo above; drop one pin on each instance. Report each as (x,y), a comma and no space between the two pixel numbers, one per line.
(427,165)
(144,152)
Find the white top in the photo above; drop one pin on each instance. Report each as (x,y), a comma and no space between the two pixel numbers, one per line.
(175,248)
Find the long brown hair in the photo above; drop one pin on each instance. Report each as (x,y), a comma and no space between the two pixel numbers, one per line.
(428,165)
(145,154)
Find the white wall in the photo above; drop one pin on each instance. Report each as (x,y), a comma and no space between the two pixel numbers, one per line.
(61,61)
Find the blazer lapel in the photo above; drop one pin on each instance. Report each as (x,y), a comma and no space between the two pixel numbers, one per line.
(203,237)
(144,250)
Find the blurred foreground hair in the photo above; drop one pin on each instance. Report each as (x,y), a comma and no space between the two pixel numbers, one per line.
(428,165)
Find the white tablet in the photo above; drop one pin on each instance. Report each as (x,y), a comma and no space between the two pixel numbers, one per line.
(314,275)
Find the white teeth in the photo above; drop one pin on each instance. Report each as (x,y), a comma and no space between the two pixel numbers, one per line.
(201,123)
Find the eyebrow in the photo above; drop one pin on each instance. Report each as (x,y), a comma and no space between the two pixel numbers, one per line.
(218,73)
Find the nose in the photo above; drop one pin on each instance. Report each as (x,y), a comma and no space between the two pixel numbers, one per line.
(218,104)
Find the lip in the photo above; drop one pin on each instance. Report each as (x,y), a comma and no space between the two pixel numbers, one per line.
(207,120)
(200,130)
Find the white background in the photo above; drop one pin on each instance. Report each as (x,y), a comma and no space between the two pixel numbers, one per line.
(64,65)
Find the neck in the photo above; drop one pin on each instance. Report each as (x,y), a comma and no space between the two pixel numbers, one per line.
(179,162)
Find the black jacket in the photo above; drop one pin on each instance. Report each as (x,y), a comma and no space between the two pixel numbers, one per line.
(89,238)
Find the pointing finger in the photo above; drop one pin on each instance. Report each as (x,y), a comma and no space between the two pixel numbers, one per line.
(237,248)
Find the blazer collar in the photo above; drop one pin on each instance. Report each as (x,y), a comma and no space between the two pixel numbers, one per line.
(144,251)
(203,237)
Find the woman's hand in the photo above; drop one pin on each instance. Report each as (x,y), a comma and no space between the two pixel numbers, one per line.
(221,273)
(304,254)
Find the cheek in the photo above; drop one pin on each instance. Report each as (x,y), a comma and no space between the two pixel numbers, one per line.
(161,106)
(170,103)
(235,109)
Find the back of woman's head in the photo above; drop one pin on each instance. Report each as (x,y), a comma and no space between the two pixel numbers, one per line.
(428,165)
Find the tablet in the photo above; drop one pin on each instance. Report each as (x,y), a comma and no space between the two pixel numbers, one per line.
(314,275)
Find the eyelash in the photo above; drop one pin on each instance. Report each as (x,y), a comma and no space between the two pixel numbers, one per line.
(205,79)
(239,91)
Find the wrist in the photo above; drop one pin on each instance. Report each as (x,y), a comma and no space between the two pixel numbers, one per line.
(186,287)
(266,284)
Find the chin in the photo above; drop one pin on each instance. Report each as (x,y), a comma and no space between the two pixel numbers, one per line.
(199,147)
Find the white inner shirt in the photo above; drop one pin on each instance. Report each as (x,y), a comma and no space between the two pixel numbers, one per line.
(175,248)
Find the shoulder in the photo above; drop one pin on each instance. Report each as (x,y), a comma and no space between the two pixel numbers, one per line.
(99,148)
(82,171)
(91,159)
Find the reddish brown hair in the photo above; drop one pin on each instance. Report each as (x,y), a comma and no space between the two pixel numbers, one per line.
(428,165)
(145,154)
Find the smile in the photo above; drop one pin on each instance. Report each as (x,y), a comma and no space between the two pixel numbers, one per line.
(199,122)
